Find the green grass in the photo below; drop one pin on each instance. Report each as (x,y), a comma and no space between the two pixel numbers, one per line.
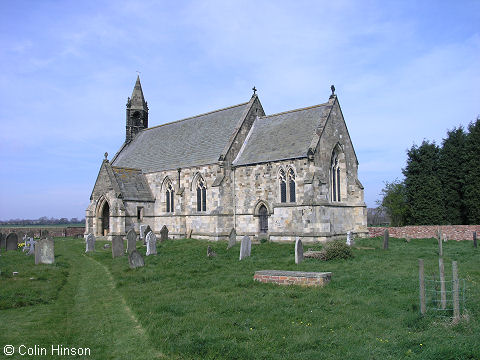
(185,305)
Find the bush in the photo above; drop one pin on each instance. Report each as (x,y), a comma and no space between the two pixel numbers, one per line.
(336,250)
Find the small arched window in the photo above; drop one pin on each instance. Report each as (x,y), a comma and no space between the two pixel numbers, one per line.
(291,185)
(201,195)
(338,177)
(169,198)
(263,219)
(283,186)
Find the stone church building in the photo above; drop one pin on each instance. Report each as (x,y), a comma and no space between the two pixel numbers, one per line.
(286,176)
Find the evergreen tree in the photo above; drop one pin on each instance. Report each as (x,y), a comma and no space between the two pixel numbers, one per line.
(452,175)
(394,202)
(472,173)
(423,188)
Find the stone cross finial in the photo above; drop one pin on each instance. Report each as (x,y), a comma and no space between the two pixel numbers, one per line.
(254,90)
(106,155)
(333,89)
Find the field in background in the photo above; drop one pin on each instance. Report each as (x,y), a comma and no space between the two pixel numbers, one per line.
(187,306)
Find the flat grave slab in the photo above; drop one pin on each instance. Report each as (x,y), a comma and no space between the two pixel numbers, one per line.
(283,277)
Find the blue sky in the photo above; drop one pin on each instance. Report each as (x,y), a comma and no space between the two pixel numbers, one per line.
(404,71)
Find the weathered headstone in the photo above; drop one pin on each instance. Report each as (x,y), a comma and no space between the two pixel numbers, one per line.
(298,251)
(142,231)
(118,247)
(45,251)
(30,246)
(232,238)
(90,243)
(189,234)
(164,234)
(385,239)
(12,241)
(151,244)
(3,241)
(245,247)
(131,240)
(210,252)
(135,259)
(44,234)
(145,233)
(349,238)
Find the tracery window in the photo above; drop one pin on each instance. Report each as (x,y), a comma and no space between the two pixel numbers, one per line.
(201,195)
(287,185)
(170,198)
(338,175)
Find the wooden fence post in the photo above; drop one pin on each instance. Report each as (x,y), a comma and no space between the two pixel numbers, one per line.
(421,278)
(385,239)
(443,295)
(456,305)
(475,239)
(440,245)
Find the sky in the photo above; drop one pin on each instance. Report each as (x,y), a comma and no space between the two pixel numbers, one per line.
(404,71)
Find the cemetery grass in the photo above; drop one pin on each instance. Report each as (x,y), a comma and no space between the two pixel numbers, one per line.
(185,305)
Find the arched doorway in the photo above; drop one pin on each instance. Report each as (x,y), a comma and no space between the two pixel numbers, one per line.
(263,219)
(105,219)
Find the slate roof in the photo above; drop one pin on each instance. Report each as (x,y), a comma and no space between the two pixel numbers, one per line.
(286,135)
(198,140)
(133,184)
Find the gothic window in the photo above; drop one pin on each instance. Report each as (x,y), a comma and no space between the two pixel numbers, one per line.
(263,217)
(338,175)
(291,185)
(136,118)
(283,186)
(201,195)
(169,197)
(139,213)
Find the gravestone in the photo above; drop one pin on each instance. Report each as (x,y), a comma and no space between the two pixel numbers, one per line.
(44,234)
(118,247)
(24,241)
(11,242)
(3,241)
(90,243)
(21,236)
(189,234)
(135,259)
(30,246)
(164,233)
(45,251)
(145,233)
(106,246)
(349,238)
(245,247)
(31,234)
(298,251)
(142,231)
(210,252)
(131,240)
(232,238)
(151,244)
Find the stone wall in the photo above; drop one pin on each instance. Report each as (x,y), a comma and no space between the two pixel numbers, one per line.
(52,231)
(453,232)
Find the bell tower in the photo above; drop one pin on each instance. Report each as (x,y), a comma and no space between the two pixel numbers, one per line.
(137,112)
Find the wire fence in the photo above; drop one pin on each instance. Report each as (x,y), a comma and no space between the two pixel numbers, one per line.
(440,299)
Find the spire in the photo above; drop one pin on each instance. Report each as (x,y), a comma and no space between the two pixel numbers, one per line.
(137,101)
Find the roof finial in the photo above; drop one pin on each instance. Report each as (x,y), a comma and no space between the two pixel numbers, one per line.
(138,73)
(333,89)
(106,155)
(254,90)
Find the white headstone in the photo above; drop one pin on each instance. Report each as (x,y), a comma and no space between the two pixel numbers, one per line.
(298,251)
(45,251)
(151,244)
(245,247)
(90,243)
(30,246)
(349,238)
(142,231)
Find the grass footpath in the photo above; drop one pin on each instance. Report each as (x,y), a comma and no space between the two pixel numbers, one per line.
(184,305)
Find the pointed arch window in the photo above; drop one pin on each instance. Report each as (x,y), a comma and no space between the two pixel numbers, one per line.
(338,177)
(263,219)
(291,185)
(283,186)
(201,195)
(170,198)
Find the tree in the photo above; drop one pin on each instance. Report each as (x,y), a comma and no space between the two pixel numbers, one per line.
(394,202)
(472,173)
(452,175)
(423,188)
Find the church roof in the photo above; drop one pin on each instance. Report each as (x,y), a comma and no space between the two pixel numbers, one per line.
(133,184)
(197,140)
(286,135)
